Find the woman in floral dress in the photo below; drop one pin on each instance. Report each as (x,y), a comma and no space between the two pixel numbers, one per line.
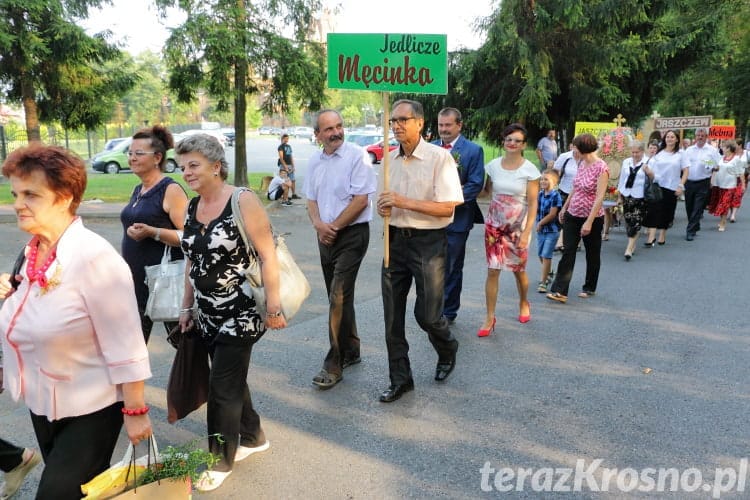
(513,182)
(729,184)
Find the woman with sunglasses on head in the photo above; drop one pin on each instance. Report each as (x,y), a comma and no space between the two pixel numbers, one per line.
(513,182)
(582,217)
(154,216)
(219,303)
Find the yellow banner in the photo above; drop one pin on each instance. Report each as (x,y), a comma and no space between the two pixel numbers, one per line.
(723,122)
(594,128)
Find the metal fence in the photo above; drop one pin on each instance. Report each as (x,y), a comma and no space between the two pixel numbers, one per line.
(85,144)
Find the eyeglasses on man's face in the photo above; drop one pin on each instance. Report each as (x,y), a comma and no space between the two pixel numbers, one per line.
(401,120)
(513,140)
(140,153)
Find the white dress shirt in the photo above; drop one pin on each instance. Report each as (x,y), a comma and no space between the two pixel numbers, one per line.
(667,168)
(332,180)
(429,174)
(640,179)
(701,161)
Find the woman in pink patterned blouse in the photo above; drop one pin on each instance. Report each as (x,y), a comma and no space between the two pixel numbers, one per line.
(582,217)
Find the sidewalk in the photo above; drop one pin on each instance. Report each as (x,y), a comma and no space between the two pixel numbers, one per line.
(96,209)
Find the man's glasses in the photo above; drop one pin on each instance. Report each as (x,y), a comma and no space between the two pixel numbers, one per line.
(141,153)
(509,140)
(401,120)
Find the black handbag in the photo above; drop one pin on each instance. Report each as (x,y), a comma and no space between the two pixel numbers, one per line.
(652,191)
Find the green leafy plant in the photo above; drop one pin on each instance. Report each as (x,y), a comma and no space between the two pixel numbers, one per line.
(187,460)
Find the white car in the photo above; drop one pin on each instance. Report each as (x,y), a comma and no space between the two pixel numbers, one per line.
(302,132)
(214,133)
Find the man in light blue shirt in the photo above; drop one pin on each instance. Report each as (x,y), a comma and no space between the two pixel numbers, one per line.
(546,150)
(339,184)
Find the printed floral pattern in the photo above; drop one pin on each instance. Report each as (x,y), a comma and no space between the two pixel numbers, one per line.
(219,261)
(502,234)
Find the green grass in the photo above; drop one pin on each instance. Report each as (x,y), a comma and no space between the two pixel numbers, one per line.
(492,151)
(118,188)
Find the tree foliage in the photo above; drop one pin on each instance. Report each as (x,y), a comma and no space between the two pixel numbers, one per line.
(235,48)
(550,63)
(54,68)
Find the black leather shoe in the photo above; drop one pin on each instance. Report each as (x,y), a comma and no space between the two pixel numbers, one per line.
(444,368)
(395,392)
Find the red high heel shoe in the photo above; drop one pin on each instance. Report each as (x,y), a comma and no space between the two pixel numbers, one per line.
(525,318)
(486,333)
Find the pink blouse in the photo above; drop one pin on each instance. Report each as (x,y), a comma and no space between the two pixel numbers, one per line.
(584,186)
(66,350)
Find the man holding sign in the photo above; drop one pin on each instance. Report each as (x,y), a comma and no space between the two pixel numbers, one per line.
(424,190)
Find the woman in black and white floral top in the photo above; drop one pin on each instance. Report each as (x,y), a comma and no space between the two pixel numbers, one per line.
(217,289)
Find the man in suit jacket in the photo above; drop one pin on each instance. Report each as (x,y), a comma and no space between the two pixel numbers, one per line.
(470,163)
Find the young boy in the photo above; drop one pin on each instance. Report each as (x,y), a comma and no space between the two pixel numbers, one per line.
(279,187)
(547,225)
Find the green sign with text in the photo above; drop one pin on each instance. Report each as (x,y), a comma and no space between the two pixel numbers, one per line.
(388,62)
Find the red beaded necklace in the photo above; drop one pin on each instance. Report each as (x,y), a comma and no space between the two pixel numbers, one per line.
(39,275)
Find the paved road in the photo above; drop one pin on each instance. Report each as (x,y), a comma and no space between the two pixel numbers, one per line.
(568,386)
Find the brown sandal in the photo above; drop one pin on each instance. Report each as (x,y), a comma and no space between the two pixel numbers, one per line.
(557,297)
(326,380)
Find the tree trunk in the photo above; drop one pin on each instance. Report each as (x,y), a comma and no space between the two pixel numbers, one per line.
(240,105)
(240,110)
(30,110)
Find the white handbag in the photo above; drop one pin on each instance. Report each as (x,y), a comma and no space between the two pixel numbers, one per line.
(166,287)
(293,285)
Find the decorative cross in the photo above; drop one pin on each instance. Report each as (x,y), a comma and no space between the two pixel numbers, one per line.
(619,120)
(655,115)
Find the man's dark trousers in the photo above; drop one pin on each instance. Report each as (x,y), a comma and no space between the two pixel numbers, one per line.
(454,275)
(696,198)
(418,254)
(340,263)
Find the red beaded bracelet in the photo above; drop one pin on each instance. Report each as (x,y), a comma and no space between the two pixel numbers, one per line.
(135,412)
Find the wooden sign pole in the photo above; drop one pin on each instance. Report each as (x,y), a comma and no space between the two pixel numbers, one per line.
(386,177)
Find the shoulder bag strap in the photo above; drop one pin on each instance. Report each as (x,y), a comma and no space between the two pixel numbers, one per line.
(562,170)
(237,215)
(17,268)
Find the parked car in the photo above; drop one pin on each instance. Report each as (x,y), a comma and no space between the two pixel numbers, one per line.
(363,140)
(216,133)
(266,131)
(229,134)
(110,144)
(302,133)
(376,150)
(116,159)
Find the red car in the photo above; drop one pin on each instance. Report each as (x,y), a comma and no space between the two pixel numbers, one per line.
(376,150)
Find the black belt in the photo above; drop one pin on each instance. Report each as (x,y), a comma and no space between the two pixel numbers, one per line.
(699,180)
(410,232)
